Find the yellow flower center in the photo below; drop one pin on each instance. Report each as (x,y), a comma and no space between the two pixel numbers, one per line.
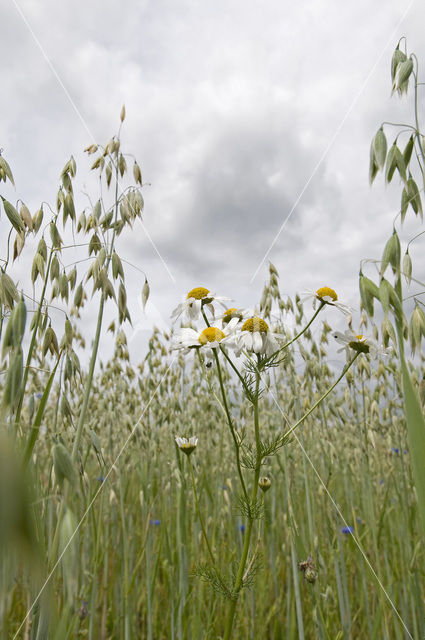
(360,337)
(211,334)
(230,311)
(230,314)
(255,324)
(326,291)
(198,293)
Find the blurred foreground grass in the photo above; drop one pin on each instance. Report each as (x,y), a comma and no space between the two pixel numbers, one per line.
(129,572)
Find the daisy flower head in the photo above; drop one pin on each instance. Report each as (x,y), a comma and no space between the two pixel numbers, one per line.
(230,315)
(187,445)
(194,301)
(326,295)
(206,340)
(264,483)
(255,336)
(359,343)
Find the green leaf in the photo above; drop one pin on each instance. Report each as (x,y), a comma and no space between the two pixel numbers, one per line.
(32,438)
(416,438)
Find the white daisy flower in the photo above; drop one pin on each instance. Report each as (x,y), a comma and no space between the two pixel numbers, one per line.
(195,300)
(255,336)
(232,313)
(327,295)
(187,445)
(357,342)
(208,339)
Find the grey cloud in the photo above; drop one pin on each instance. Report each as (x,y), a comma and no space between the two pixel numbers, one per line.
(229,108)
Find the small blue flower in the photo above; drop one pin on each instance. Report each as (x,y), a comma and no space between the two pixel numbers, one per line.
(155,523)
(242,528)
(38,395)
(347,529)
(396,450)
(100,479)
(381,481)
(225,487)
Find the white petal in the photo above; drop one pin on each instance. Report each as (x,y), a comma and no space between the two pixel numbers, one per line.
(247,339)
(342,307)
(194,308)
(177,312)
(340,337)
(257,342)
(272,345)
(231,325)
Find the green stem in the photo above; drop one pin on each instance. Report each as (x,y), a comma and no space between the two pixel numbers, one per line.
(93,358)
(198,511)
(231,427)
(35,428)
(226,409)
(242,563)
(89,380)
(234,368)
(322,304)
(418,139)
(32,344)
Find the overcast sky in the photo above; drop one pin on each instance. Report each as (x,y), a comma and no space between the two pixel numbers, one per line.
(236,112)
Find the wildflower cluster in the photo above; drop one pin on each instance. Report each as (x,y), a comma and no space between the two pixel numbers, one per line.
(225,337)
(236,328)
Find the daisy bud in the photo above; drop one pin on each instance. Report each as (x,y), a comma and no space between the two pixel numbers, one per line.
(187,445)
(264,483)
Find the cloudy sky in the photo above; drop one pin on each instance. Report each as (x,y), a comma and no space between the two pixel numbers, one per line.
(239,113)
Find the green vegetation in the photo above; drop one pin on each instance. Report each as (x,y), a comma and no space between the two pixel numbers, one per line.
(299,511)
